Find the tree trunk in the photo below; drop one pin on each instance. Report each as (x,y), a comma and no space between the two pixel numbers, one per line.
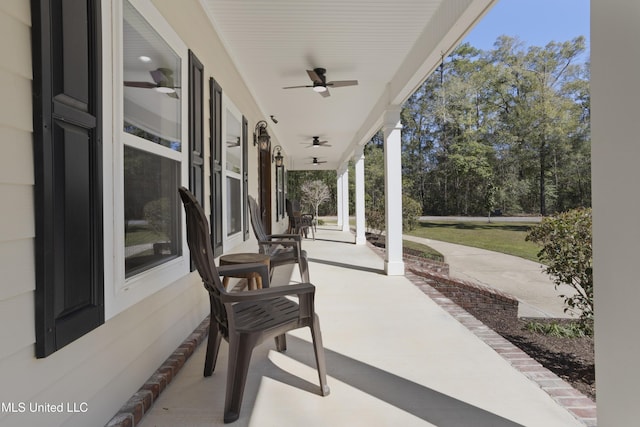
(543,206)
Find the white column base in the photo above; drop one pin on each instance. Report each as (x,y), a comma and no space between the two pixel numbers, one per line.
(394,268)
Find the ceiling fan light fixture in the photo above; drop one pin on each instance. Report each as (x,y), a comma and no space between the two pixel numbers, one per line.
(164,89)
(319,88)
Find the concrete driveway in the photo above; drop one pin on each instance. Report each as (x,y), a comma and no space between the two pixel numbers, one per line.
(516,276)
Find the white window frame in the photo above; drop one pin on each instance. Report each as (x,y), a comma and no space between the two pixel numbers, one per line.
(231,241)
(120,292)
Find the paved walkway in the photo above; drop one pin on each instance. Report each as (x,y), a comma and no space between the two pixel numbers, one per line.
(521,278)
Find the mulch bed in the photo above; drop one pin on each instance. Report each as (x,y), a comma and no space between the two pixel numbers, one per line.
(572,359)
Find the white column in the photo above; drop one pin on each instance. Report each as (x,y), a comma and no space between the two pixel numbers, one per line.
(615,175)
(345,198)
(393,264)
(359,171)
(339,197)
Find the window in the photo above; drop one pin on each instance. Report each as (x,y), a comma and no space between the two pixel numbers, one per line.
(147,155)
(152,145)
(151,214)
(233,151)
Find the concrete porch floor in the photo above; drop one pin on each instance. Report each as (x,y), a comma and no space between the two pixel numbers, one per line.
(394,358)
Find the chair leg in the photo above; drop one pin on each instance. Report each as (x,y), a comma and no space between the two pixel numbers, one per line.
(213,345)
(281,343)
(319,352)
(240,349)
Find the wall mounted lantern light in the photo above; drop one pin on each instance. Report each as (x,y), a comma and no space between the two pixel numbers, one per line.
(261,137)
(277,157)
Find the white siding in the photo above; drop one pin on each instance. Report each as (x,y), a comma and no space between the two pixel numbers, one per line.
(16,183)
(105,367)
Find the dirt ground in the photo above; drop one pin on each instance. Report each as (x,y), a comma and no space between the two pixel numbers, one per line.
(572,359)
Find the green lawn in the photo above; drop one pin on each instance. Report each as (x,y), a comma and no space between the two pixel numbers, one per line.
(423,250)
(505,237)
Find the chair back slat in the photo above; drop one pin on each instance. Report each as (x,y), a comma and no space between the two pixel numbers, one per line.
(202,254)
(256,223)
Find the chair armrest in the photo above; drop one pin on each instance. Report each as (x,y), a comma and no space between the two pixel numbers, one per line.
(268,293)
(233,269)
(285,236)
(279,242)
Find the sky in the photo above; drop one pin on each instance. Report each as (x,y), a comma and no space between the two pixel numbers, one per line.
(535,22)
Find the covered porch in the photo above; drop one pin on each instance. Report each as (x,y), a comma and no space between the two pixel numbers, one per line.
(397,354)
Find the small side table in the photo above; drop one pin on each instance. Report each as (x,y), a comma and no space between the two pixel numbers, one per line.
(254,280)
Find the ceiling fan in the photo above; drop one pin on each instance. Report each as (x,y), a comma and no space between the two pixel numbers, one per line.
(163,82)
(320,83)
(316,162)
(317,143)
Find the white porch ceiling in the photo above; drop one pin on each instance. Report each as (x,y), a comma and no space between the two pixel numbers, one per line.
(389,46)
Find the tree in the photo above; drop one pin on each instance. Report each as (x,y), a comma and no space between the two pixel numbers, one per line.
(515,117)
(315,193)
(538,110)
(295,179)
(374,204)
(490,200)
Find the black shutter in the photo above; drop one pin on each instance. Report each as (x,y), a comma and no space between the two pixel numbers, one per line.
(68,171)
(245,175)
(215,142)
(196,126)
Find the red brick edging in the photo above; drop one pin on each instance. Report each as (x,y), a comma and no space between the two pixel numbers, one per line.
(134,409)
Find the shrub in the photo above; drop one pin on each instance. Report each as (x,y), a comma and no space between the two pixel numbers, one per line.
(411,210)
(555,329)
(566,252)
(157,213)
(375,221)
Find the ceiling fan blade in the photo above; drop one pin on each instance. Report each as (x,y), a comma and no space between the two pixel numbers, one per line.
(325,93)
(162,76)
(342,83)
(144,85)
(315,77)
(315,161)
(296,87)
(317,143)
